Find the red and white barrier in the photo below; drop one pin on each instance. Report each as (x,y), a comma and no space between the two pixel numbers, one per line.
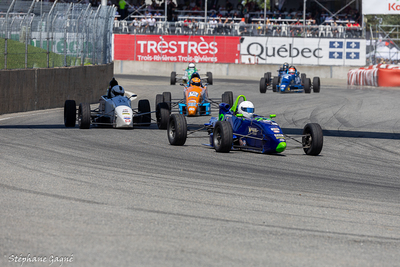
(382,75)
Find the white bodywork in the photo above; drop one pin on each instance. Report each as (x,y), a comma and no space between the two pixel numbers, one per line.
(118,109)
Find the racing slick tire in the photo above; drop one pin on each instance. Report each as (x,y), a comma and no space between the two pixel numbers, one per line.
(209,78)
(173,78)
(84,116)
(267,77)
(167,99)
(144,107)
(177,129)
(223,136)
(70,113)
(263,86)
(162,115)
(316,84)
(307,86)
(303,78)
(275,82)
(227,97)
(312,139)
(159,99)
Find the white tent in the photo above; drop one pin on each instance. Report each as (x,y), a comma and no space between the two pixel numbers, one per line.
(386,53)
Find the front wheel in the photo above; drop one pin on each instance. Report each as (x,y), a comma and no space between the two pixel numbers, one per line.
(316,84)
(223,136)
(173,78)
(267,77)
(70,113)
(209,78)
(84,116)
(162,115)
(312,139)
(144,107)
(275,83)
(177,130)
(263,86)
(227,97)
(167,99)
(307,86)
(303,78)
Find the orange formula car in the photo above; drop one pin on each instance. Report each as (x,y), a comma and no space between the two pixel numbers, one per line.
(195,102)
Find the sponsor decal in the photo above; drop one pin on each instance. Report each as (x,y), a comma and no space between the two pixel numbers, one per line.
(195,94)
(127,120)
(279,135)
(353,45)
(336,44)
(242,142)
(253,130)
(192,104)
(173,48)
(336,55)
(323,51)
(126,113)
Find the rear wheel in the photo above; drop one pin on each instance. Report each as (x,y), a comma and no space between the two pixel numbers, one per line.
(263,86)
(173,78)
(267,77)
(162,115)
(303,78)
(70,113)
(313,139)
(223,136)
(177,130)
(84,116)
(144,107)
(167,99)
(227,97)
(316,84)
(209,78)
(275,83)
(307,86)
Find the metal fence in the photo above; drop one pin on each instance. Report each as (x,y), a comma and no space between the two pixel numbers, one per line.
(232,28)
(44,34)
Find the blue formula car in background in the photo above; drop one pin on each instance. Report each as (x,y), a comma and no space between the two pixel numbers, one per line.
(290,81)
(230,131)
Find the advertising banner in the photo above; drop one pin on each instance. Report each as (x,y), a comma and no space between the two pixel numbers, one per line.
(303,51)
(177,48)
(386,7)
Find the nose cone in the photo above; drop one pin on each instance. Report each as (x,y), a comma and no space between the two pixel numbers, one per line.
(192,111)
(281,147)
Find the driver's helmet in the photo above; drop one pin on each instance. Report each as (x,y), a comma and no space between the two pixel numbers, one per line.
(195,81)
(285,66)
(117,90)
(191,66)
(292,70)
(246,108)
(195,75)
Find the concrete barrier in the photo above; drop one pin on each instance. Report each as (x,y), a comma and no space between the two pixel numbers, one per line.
(34,89)
(224,70)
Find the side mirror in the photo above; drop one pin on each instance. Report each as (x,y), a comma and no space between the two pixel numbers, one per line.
(272,116)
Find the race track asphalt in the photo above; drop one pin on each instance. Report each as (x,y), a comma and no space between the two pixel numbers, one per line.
(110,197)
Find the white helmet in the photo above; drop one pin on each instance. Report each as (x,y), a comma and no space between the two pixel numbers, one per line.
(191,66)
(246,108)
(117,90)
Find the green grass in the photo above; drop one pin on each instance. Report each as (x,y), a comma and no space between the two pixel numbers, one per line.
(37,57)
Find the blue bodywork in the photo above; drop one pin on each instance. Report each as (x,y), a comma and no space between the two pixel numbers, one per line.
(290,83)
(204,108)
(256,134)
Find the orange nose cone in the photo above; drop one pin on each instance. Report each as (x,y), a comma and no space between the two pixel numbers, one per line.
(192,111)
